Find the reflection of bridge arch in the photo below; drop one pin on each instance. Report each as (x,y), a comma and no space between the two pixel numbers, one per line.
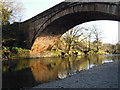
(44,29)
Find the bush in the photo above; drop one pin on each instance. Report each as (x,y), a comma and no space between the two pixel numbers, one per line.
(15,52)
(19,52)
(5,52)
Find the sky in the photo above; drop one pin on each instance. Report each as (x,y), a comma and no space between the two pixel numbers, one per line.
(109,30)
(34,7)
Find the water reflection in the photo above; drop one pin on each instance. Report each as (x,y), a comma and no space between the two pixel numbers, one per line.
(28,73)
(43,71)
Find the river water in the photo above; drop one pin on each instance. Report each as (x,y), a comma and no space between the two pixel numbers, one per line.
(31,72)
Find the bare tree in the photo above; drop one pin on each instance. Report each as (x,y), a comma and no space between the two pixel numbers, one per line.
(97,34)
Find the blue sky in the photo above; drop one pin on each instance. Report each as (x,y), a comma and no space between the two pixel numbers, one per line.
(34,7)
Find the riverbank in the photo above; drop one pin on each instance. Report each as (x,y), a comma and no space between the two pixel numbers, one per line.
(12,53)
(103,76)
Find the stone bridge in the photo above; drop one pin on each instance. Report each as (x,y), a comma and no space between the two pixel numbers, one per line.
(46,28)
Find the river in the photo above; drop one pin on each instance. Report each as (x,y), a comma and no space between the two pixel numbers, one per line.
(31,72)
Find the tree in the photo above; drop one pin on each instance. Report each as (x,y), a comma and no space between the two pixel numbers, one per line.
(72,36)
(88,36)
(11,11)
(118,48)
(97,34)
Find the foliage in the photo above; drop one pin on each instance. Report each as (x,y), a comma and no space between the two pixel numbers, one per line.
(11,11)
(72,36)
(5,52)
(13,42)
(118,48)
(14,52)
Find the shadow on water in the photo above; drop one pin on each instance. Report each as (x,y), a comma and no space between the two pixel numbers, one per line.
(29,73)
(17,75)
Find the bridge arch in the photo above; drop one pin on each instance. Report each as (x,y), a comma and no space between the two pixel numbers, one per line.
(54,24)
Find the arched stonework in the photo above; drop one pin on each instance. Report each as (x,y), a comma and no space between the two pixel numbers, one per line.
(45,29)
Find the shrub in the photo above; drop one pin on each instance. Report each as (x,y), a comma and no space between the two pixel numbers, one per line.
(15,52)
